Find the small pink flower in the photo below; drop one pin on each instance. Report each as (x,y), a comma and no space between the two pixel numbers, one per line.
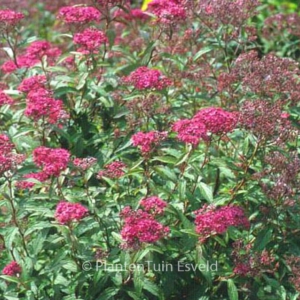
(211,220)
(90,39)
(39,49)
(145,78)
(79,14)
(4,99)
(53,161)
(285,115)
(32,83)
(12,269)
(147,141)
(23,61)
(8,159)
(140,227)
(67,212)
(217,120)
(153,205)
(167,12)
(190,131)
(10,17)
(242,269)
(40,105)
(113,170)
(84,163)
(40,176)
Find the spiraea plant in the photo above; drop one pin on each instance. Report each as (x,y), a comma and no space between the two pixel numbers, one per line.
(149,150)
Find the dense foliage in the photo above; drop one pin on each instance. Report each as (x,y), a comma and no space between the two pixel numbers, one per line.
(149,154)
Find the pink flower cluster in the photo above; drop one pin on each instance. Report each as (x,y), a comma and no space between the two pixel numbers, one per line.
(170,11)
(275,25)
(5,144)
(22,61)
(140,227)
(67,212)
(147,141)
(10,17)
(79,14)
(84,163)
(8,159)
(153,205)
(23,184)
(38,49)
(34,54)
(32,83)
(267,76)
(145,78)
(40,105)
(6,148)
(113,170)
(234,12)
(217,120)
(90,40)
(190,131)
(211,220)
(266,119)
(212,120)
(4,99)
(52,161)
(251,263)
(12,269)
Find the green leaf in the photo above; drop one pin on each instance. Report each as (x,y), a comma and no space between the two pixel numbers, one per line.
(206,191)
(64,90)
(182,190)
(232,290)
(166,159)
(263,238)
(133,296)
(202,52)
(10,278)
(109,293)
(183,159)
(39,226)
(187,224)
(152,288)
(117,237)
(147,53)
(82,80)
(166,173)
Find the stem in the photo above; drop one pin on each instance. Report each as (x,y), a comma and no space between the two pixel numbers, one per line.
(73,240)
(243,181)
(14,216)
(184,166)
